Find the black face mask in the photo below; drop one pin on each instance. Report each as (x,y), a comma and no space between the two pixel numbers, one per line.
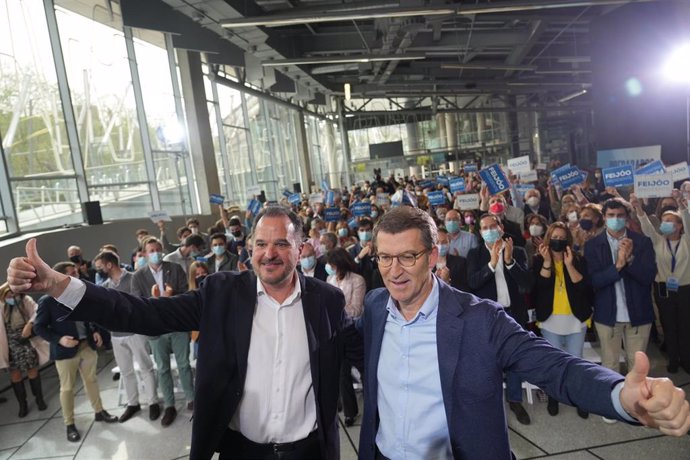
(76,259)
(199,279)
(558,245)
(237,233)
(586,224)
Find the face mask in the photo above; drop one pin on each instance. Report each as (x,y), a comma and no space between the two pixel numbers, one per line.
(533,201)
(10,301)
(536,230)
(586,224)
(491,236)
(322,231)
(199,279)
(497,208)
(323,249)
(667,228)
(236,234)
(452,226)
(218,250)
(155,258)
(101,274)
(374,214)
(443,250)
(76,259)
(330,270)
(194,254)
(195,230)
(615,224)
(308,263)
(558,245)
(597,175)
(572,217)
(364,236)
(141,261)
(469,220)
(342,232)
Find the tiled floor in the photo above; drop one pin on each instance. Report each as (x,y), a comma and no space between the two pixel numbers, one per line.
(41,435)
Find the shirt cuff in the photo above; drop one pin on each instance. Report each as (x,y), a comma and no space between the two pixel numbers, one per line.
(616,400)
(73,293)
(493,270)
(511,265)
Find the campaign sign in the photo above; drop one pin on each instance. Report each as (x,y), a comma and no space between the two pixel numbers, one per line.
(522,188)
(653,185)
(467,202)
(331,214)
(618,176)
(324,185)
(287,193)
(425,184)
(330,198)
(315,198)
(519,164)
(679,171)
(655,167)
(529,176)
(352,223)
(216,199)
(470,167)
(382,199)
(436,198)
(495,179)
(254,190)
(540,167)
(295,199)
(632,156)
(254,206)
(158,216)
(457,185)
(361,209)
(443,180)
(557,171)
(570,177)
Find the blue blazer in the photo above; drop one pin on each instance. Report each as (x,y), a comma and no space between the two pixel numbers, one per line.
(637,276)
(476,342)
(223,310)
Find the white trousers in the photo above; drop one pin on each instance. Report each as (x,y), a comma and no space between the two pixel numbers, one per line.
(127,350)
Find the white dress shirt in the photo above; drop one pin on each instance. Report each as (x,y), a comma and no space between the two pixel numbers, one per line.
(278,404)
(502,293)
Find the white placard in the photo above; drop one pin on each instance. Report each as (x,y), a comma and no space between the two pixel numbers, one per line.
(529,176)
(540,166)
(315,198)
(157,216)
(519,165)
(253,191)
(653,185)
(679,171)
(467,201)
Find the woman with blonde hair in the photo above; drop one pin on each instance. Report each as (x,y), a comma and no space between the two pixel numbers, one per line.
(20,350)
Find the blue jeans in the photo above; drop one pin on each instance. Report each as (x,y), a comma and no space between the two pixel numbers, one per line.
(570,343)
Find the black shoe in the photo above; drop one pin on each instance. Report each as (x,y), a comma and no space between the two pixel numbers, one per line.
(552,406)
(190,405)
(582,413)
(169,415)
(672,368)
(129,413)
(20,393)
(37,391)
(154,411)
(104,416)
(520,413)
(349,421)
(116,376)
(72,434)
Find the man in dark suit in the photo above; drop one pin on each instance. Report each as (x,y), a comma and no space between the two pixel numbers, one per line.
(222,260)
(309,265)
(435,357)
(165,279)
(270,344)
(451,269)
(73,348)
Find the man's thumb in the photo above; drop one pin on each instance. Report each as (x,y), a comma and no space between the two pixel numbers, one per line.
(32,253)
(640,369)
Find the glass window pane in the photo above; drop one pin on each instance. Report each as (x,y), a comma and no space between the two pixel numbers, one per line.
(53,201)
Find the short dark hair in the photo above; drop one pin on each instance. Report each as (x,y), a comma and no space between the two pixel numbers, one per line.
(365,222)
(341,260)
(181,230)
(108,257)
(194,240)
(330,236)
(281,211)
(234,221)
(616,203)
(192,220)
(142,231)
(109,247)
(217,236)
(61,267)
(404,218)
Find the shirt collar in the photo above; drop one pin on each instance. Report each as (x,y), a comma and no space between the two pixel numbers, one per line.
(428,307)
(294,295)
(612,239)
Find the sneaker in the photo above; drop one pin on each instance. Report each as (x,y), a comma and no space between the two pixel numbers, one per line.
(72,433)
(129,413)
(520,413)
(610,421)
(169,415)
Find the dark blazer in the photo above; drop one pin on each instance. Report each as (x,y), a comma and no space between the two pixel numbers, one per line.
(319,271)
(544,210)
(229,264)
(579,294)
(482,282)
(637,276)
(48,325)
(476,342)
(513,230)
(173,274)
(457,265)
(223,310)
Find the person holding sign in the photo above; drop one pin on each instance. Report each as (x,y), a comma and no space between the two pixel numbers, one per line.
(672,283)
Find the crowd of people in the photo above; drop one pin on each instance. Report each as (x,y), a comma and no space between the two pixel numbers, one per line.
(586,258)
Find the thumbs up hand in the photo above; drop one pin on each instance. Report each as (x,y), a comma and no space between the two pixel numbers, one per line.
(655,402)
(32,274)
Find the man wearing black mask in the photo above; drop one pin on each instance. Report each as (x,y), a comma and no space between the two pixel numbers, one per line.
(86,272)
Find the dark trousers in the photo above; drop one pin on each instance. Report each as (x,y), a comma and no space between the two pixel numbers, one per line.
(675,320)
(234,446)
(347,391)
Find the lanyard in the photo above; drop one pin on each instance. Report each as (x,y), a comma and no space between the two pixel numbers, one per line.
(673,254)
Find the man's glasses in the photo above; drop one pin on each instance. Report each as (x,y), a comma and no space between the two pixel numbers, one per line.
(406,259)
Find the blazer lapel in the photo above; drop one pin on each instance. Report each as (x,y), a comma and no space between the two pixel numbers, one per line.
(245,303)
(449,327)
(311,305)
(378,325)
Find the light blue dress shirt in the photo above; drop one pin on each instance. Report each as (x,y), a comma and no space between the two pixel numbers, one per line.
(622,315)
(413,421)
(462,244)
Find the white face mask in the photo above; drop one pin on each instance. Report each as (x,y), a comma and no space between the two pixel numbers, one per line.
(533,201)
(536,230)
(572,217)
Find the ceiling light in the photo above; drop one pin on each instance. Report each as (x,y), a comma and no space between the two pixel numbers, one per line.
(362,58)
(348,91)
(677,67)
(572,96)
(488,67)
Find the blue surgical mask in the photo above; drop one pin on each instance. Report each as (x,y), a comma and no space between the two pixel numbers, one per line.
(330,270)
(141,262)
(308,263)
(374,214)
(323,249)
(10,301)
(364,236)
(452,226)
(491,236)
(667,228)
(218,250)
(615,224)
(155,258)
(342,232)
(443,250)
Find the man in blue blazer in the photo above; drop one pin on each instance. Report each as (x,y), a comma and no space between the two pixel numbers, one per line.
(622,268)
(435,356)
(270,340)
